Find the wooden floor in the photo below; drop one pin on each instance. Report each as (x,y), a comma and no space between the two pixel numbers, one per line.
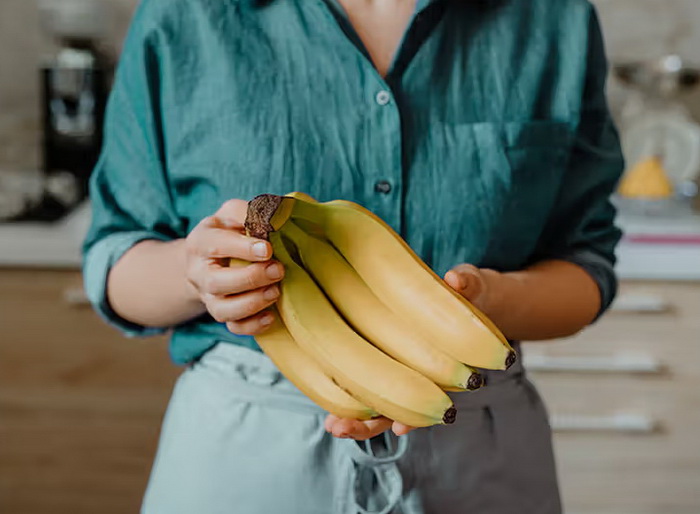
(80,406)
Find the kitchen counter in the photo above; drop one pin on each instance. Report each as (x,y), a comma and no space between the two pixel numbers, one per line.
(46,245)
(652,249)
(659,249)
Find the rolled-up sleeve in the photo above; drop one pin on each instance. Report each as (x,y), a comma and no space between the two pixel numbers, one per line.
(129,193)
(582,226)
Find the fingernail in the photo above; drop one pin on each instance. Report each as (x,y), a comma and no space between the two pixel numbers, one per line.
(260,249)
(457,281)
(274,271)
(271,293)
(267,319)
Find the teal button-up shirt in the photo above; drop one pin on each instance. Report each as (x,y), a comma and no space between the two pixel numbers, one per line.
(489,141)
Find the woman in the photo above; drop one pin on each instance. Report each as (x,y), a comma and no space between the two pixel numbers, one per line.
(477,128)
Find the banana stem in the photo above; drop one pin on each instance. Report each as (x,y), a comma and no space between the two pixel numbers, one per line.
(308,211)
(279,249)
(267,213)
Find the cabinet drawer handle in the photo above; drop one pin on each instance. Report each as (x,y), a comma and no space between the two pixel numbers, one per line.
(621,423)
(621,363)
(75,297)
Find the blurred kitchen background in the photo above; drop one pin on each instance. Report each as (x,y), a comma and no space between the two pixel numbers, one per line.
(80,406)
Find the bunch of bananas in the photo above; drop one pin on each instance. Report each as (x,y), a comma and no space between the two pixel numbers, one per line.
(364,327)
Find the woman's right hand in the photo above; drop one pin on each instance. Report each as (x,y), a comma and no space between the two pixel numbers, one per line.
(236,295)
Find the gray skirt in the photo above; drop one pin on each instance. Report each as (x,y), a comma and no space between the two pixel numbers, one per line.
(238,438)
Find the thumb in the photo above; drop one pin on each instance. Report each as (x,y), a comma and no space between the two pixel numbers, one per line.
(465,279)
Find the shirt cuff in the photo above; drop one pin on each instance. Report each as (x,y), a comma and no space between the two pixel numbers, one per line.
(97,263)
(601,271)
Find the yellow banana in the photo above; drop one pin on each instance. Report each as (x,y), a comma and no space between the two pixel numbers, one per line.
(372,319)
(302,371)
(298,195)
(306,225)
(305,373)
(377,380)
(398,277)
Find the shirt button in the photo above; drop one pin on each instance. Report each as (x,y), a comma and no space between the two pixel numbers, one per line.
(383,187)
(383,97)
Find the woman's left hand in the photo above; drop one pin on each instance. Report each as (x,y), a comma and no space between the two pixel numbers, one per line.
(472,283)
(361,430)
(469,281)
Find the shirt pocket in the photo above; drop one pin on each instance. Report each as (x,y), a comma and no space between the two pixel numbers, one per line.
(490,187)
(535,155)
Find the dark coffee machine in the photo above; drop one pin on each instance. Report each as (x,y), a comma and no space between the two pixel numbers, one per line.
(74,94)
(75,83)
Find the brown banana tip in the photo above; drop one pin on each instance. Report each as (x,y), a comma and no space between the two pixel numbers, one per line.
(510,360)
(476,380)
(261,209)
(450,416)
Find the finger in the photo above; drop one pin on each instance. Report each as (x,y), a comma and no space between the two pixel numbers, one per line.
(253,325)
(233,211)
(377,425)
(331,419)
(372,428)
(228,281)
(224,223)
(238,307)
(465,280)
(360,430)
(454,280)
(466,270)
(219,243)
(344,427)
(400,429)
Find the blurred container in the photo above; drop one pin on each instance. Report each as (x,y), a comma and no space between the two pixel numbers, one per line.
(656,123)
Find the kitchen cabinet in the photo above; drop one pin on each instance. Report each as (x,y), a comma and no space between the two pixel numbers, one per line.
(80,405)
(624,398)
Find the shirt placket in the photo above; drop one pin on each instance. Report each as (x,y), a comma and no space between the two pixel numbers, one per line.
(383,166)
